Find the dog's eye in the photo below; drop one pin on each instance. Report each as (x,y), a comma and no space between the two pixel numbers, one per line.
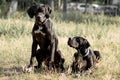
(77,39)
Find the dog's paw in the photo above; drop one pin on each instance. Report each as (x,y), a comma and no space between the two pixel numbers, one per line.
(28,69)
(69,70)
(77,75)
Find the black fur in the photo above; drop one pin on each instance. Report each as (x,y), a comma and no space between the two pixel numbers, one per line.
(44,36)
(82,46)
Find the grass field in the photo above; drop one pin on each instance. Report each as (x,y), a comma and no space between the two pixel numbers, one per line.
(102,32)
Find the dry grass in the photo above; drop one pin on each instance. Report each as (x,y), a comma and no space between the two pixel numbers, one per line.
(15,43)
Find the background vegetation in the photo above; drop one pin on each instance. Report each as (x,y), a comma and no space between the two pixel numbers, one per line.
(12,6)
(101,31)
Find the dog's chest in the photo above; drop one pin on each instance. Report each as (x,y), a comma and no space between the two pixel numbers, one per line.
(40,34)
(39,29)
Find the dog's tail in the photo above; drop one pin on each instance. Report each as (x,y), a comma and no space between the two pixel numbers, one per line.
(98,55)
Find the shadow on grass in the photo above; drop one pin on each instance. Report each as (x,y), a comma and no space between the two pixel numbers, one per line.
(10,71)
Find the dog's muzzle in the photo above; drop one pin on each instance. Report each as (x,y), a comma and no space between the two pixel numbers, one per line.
(69,42)
(40,18)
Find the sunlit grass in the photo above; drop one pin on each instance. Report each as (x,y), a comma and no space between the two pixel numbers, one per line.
(103,35)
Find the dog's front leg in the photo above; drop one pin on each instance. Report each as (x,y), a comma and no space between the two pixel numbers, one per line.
(50,34)
(30,67)
(90,63)
(52,51)
(33,53)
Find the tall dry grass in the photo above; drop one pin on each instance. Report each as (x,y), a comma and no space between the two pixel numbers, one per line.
(102,32)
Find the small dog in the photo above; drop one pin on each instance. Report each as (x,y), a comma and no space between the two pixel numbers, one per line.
(43,34)
(88,56)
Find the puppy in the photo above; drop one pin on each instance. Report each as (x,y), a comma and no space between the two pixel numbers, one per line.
(82,46)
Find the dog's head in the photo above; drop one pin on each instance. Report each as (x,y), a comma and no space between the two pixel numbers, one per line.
(78,42)
(40,11)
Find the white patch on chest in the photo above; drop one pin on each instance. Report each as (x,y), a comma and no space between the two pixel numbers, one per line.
(38,30)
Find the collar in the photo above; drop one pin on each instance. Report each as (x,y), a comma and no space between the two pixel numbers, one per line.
(45,20)
(87,51)
(42,23)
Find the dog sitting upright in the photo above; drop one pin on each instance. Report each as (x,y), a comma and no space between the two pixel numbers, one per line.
(43,34)
(83,51)
(45,57)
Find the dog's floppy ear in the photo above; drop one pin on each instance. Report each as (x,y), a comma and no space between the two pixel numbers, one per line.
(85,43)
(32,10)
(48,11)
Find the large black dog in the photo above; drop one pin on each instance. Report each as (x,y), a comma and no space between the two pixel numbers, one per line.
(89,56)
(43,35)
